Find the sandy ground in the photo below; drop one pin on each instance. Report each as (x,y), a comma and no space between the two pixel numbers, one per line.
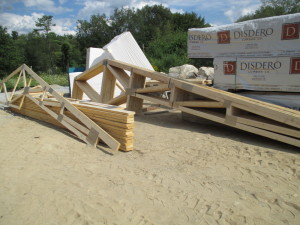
(179,173)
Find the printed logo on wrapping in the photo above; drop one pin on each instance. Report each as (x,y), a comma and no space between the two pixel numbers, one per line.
(229,67)
(224,37)
(295,66)
(290,31)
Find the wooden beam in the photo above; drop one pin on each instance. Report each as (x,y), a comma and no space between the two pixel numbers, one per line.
(77,93)
(91,72)
(16,84)
(119,100)
(140,71)
(158,88)
(267,124)
(88,90)
(133,103)
(120,87)
(108,86)
(161,101)
(199,104)
(120,75)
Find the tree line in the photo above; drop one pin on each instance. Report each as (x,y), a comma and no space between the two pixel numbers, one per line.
(161,34)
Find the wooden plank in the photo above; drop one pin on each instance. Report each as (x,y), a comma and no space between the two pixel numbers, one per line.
(199,104)
(161,101)
(158,88)
(77,93)
(266,124)
(108,86)
(88,90)
(16,84)
(202,114)
(199,90)
(288,119)
(119,100)
(140,71)
(133,103)
(91,72)
(119,64)
(268,134)
(5,91)
(120,87)
(178,94)
(120,75)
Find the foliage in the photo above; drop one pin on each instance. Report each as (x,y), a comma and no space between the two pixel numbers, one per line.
(11,55)
(45,22)
(273,8)
(59,79)
(160,33)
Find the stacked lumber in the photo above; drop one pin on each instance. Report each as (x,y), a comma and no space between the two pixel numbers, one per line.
(113,119)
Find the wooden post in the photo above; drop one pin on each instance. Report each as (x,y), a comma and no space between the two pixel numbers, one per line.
(108,86)
(77,93)
(133,103)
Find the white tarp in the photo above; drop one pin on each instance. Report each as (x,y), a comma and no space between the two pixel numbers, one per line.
(122,48)
(268,37)
(260,74)
(95,55)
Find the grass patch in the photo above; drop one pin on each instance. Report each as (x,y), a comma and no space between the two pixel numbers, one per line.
(59,79)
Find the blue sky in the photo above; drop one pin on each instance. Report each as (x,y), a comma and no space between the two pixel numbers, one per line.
(20,15)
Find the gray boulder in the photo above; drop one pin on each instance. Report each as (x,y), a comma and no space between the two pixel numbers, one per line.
(183,72)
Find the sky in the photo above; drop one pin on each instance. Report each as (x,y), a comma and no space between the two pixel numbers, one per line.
(20,15)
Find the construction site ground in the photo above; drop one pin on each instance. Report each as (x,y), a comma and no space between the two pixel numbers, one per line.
(179,173)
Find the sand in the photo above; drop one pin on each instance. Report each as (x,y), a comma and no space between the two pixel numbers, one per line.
(179,173)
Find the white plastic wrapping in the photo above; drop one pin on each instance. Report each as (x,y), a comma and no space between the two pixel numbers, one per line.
(122,48)
(259,74)
(268,37)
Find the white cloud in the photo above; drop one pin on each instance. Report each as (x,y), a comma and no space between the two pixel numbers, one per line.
(26,24)
(64,26)
(62,1)
(94,7)
(46,5)
(140,4)
(91,7)
(22,24)
(238,10)
(43,5)
(7,4)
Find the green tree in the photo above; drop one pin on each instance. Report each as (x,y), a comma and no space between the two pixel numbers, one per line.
(65,49)
(182,22)
(44,23)
(273,8)
(10,54)
(93,33)
(123,20)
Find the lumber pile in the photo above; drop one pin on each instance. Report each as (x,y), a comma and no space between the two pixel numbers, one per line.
(254,116)
(88,121)
(113,119)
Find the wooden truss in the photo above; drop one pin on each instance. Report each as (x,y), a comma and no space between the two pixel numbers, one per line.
(82,126)
(258,117)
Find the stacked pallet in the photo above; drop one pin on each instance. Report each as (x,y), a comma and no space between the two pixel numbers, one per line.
(113,119)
